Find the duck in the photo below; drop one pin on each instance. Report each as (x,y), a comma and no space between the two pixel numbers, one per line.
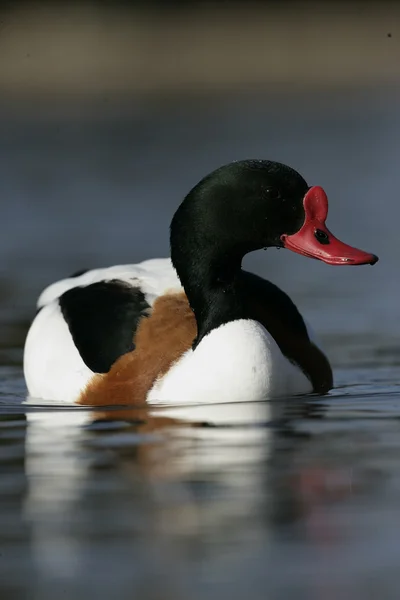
(195,327)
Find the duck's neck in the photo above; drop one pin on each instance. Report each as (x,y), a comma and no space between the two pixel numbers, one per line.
(214,227)
(210,277)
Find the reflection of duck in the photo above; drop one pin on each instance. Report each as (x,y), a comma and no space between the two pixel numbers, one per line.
(182,500)
(130,334)
(273,476)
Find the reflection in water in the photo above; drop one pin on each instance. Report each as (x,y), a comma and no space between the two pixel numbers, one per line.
(15,550)
(155,494)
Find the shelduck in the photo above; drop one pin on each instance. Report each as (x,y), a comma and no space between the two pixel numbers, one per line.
(195,328)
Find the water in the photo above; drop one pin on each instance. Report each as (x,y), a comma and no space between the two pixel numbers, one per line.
(294,499)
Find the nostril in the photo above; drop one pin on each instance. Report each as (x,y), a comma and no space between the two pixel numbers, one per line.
(321,236)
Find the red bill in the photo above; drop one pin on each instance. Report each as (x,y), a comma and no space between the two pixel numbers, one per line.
(316,241)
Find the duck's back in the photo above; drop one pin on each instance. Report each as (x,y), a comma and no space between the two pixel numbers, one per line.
(86,322)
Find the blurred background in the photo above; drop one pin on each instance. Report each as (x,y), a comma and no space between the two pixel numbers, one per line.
(109,113)
(112,111)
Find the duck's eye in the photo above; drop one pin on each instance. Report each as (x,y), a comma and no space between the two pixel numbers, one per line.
(272,193)
(321,236)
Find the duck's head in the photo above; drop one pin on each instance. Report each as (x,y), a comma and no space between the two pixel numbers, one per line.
(252,204)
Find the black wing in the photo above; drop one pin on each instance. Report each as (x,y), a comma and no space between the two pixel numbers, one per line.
(102,319)
(276,302)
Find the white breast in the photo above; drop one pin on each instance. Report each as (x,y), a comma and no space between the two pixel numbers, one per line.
(237,362)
